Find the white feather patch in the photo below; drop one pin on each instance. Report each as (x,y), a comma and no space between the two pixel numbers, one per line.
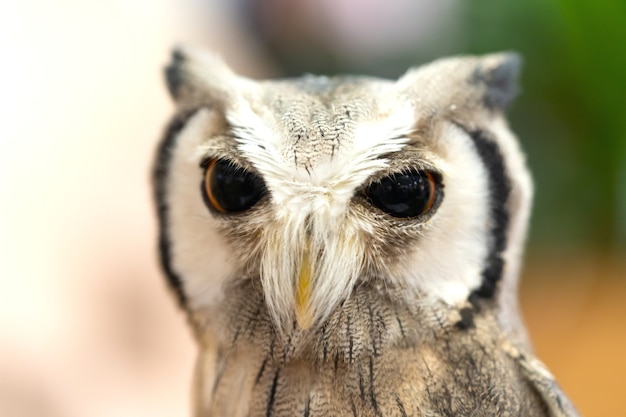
(199,254)
(447,262)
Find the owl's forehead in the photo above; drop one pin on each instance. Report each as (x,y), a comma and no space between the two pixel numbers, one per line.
(314,118)
(328,104)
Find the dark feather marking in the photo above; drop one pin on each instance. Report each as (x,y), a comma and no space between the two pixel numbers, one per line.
(218,379)
(174,74)
(372,329)
(372,392)
(429,372)
(307,407)
(474,300)
(499,191)
(501,82)
(400,326)
(324,341)
(254,319)
(160,174)
(400,406)
(350,339)
(260,373)
(472,362)
(250,324)
(272,344)
(559,401)
(236,335)
(448,398)
(381,320)
(353,407)
(467,319)
(361,387)
(272,396)
(286,347)
(444,328)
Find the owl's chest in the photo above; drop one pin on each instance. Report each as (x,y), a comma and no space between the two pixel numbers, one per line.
(380,371)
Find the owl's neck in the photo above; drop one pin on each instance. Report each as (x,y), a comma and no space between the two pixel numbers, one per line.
(367,324)
(372,356)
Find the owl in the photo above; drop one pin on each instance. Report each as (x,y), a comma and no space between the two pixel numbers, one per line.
(350,246)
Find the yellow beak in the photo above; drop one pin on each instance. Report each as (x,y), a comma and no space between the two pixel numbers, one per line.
(303,293)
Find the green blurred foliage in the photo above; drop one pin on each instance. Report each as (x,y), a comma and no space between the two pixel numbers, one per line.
(571,116)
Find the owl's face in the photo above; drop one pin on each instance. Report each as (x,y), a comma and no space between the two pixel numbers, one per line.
(313,186)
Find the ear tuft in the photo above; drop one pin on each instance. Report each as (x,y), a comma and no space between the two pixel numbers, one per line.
(198,77)
(500,75)
(174,74)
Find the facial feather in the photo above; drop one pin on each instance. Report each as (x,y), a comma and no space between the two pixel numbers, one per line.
(338,136)
(312,253)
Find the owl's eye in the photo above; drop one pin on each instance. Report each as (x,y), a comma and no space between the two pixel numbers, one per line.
(404,195)
(228,188)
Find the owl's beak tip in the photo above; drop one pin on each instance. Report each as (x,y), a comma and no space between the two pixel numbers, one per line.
(304,320)
(304,315)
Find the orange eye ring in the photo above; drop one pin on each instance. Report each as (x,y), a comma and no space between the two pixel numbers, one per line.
(432,183)
(210,196)
(228,188)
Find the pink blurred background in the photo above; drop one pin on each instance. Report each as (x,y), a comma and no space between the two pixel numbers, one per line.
(87,325)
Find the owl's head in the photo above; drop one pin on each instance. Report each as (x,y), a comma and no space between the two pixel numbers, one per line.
(311,187)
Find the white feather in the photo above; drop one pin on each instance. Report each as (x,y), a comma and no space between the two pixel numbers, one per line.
(446,264)
(200,255)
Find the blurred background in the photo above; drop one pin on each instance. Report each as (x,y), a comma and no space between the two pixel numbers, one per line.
(87,326)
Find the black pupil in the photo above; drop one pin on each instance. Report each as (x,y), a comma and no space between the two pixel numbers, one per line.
(401,195)
(234,188)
